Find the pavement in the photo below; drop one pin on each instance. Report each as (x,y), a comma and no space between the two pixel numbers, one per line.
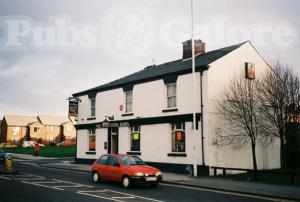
(204,182)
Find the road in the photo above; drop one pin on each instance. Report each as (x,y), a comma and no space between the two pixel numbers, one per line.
(37,183)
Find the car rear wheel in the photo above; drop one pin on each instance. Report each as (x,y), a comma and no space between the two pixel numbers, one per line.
(96,177)
(126,182)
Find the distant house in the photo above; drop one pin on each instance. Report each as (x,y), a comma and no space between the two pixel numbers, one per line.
(46,128)
(56,128)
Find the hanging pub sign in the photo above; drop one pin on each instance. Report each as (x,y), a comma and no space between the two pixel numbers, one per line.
(73,108)
(250,71)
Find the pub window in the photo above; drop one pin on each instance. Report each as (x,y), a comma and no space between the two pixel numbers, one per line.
(178,137)
(92,140)
(135,138)
(93,107)
(128,101)
(171,95)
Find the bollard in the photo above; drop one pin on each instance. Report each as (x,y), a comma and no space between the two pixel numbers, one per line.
(9,163)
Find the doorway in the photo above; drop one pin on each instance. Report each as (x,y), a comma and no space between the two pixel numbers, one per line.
(113,140)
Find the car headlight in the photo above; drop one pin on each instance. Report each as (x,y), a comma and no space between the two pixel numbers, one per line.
(138,174)
(158,173)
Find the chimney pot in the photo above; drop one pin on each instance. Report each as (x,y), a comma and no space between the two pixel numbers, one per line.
(187,48)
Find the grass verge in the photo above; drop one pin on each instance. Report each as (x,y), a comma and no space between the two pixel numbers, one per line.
(47,151)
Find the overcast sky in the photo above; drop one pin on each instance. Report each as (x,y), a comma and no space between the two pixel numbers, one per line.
(40,66)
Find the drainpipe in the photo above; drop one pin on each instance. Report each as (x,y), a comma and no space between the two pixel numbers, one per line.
(202,125)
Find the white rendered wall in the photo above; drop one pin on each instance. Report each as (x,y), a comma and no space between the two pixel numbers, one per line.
(155,143)
(149,99)
(219,74)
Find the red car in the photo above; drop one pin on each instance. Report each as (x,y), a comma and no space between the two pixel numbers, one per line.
(126,169)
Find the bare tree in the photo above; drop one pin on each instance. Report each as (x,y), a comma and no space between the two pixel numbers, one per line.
(239,109)
(279,94)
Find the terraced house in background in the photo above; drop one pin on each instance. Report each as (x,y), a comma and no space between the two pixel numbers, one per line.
(48,129)
(149,113)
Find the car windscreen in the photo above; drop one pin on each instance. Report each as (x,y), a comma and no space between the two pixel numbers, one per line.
(131,160)
(1,151)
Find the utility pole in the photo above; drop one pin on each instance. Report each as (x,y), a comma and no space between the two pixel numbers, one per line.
(194,92)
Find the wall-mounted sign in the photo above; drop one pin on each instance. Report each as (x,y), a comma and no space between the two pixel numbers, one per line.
(178,136)
(106,124)
(250,70)
(136,136)
(121,107)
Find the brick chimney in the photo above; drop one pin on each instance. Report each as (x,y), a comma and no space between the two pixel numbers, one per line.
(187,48)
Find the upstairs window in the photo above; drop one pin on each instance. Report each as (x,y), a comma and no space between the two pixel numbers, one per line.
(135,138)
(92,140)
(171,95)
(128,101)
(93,107)
(178,137)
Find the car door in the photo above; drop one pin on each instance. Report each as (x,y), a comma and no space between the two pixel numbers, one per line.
(114,171)
(101,166)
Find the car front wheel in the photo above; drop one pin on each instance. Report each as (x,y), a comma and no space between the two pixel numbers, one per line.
(126,182)
(96,177)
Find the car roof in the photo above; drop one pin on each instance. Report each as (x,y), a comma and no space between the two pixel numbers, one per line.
(116,155)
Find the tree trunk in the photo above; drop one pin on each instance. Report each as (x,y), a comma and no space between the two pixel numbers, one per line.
(282,153)
(254,160)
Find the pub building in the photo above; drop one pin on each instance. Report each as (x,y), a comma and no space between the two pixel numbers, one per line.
(150,113)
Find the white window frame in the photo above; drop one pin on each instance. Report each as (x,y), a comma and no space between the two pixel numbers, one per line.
(92,108)
(181,129)
(128,102)
(171,96)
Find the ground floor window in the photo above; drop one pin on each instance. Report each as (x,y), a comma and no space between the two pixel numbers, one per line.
(92,140)
(135,138)
(178,137)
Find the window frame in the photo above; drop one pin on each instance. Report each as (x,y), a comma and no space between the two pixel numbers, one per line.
(89,139)
(128,102)
(174,131)
(132,132)
(92,108)
(171,96)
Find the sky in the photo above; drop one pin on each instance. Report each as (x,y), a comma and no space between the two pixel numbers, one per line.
(50,49)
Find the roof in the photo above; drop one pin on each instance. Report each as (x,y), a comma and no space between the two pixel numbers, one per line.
(53,120)
(16,120)
(158,71)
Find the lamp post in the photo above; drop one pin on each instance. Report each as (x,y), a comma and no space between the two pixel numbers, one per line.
(194,92)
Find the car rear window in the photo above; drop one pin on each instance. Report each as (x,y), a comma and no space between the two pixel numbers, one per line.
(102,160)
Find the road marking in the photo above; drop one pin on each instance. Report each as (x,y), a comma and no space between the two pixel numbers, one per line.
(92,195)
(41,185)
(141,197)
(27,179)
(83,185)
(6,178)
(123,197)
(224,192)
(45,182)
(30,164)
(114,198)
(65,186)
